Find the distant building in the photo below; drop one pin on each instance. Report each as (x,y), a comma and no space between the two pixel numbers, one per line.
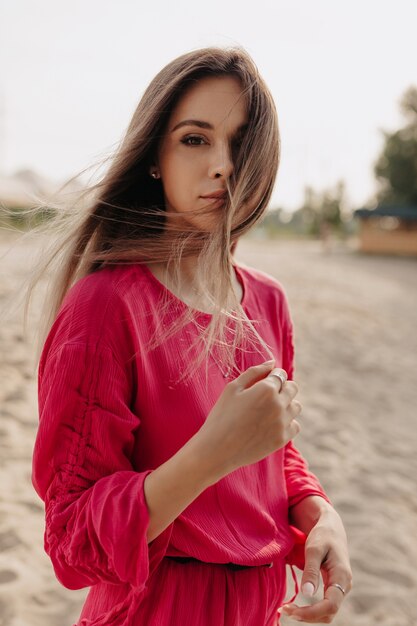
(388,230)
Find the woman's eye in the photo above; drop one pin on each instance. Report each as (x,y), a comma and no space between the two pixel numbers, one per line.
(193,140)
(238,142)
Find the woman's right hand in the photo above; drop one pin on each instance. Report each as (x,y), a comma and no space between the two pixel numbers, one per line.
(253,417)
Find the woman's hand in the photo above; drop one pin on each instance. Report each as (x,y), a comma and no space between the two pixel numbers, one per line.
(326,551)
(254,416)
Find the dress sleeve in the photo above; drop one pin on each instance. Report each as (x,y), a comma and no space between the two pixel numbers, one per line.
(96,513)
(300,481)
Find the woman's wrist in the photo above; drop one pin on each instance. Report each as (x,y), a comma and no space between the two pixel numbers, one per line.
(210,467)
(309,511)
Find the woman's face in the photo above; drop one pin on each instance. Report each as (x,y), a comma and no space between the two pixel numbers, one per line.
(195,157)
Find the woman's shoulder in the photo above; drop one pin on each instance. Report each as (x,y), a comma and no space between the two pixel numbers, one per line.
(110,289)
(264,295)
(259,280)
(99,305)
(105,285)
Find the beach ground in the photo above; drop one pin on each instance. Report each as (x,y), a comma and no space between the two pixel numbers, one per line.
(356,356)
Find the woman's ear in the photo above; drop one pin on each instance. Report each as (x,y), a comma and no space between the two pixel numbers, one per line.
(154,172)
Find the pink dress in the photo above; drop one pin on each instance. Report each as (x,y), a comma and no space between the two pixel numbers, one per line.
(110,413)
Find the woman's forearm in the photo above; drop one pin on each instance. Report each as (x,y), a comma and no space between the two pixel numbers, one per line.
(171,487)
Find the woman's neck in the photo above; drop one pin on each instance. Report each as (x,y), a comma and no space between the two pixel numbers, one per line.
(190,291)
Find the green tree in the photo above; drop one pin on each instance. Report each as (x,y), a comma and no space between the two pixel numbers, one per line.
(396,167)
(320,208)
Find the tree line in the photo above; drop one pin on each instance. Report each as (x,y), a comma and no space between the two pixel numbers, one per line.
(395,171)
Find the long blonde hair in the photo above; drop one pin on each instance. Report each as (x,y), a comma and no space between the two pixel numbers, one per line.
(120,219)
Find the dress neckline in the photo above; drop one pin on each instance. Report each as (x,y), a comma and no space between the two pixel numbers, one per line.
(175,298)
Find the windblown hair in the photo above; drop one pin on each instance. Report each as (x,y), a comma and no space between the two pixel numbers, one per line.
(121,218)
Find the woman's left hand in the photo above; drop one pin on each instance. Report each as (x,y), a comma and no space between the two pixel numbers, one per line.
(326,552)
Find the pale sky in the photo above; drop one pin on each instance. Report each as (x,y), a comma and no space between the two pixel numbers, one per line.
(72,72)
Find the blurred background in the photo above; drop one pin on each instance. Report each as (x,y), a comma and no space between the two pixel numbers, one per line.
(341,236)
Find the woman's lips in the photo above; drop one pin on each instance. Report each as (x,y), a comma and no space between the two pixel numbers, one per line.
(216,195)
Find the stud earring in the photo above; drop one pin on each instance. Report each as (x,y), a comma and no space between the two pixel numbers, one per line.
(154,174)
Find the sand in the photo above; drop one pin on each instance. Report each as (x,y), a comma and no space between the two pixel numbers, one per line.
(356,355)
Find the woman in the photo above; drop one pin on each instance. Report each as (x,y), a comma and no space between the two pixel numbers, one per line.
(164,452)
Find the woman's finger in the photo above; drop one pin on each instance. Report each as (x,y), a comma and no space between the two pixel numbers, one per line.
(280,376)
(295,408)
(291,414)
(252,375)
(322,611)
(293,429)
(288,392)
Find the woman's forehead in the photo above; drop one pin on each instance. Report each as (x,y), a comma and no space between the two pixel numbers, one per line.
(217,100)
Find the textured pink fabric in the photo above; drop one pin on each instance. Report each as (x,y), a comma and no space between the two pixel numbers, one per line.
(111,412)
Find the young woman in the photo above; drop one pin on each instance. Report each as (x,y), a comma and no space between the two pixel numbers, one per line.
(164,452)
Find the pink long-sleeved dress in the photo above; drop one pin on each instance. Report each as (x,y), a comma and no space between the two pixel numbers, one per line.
(111,411)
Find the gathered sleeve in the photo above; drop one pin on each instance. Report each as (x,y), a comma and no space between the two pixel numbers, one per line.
(96,513)
(299,480)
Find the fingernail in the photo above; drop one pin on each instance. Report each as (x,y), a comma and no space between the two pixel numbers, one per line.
(307,589)
(271,362)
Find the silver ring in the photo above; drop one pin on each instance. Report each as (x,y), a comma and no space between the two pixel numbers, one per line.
(280,374)
(338,587)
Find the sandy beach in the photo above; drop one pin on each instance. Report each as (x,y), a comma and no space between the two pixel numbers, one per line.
(356,361)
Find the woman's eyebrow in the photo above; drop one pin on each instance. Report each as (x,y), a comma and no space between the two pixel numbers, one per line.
(198,123)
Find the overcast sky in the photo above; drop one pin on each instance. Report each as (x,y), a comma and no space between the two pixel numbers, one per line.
(72,72)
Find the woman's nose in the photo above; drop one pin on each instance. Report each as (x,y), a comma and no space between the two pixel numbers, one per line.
(221,164)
